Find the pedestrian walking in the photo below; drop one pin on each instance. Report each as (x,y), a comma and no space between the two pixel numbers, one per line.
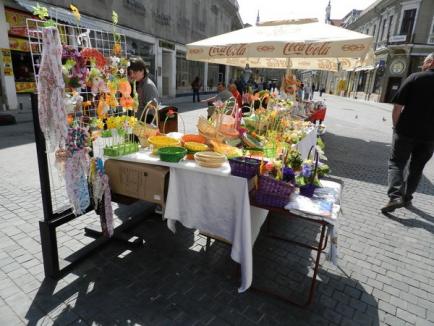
(196,85)
(413,135)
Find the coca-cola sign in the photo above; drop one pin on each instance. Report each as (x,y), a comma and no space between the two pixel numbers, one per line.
(228,51)
(309,49)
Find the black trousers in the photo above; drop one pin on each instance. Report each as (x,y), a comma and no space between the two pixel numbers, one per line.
(196,94)
(407,151)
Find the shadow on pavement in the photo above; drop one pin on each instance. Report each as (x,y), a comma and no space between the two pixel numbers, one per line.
(16,135)
(426,220)
(363,161)
(171,280)
(288,270)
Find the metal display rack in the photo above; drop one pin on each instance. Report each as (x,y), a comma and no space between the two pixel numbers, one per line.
(56,208)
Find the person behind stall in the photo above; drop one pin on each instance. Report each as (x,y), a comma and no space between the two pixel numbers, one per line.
(196,85)
(146,89)
(223,95)
(236,94)
(413,135)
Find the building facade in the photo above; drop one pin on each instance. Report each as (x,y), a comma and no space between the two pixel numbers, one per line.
(403,32)
(156,30)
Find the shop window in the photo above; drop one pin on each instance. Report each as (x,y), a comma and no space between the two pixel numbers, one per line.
(22,65)
(186,71)
(408,20)
(145,51)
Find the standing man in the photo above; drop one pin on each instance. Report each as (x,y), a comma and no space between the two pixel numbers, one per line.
(413,136)
(146,89)
(196,85)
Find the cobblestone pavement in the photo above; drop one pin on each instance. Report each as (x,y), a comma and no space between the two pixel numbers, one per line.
(385,273)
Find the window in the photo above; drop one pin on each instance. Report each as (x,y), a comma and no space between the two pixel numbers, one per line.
(431,34)
(383,29)
(389,28)
(407,24)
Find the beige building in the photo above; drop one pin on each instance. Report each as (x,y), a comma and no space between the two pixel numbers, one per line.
(403,32)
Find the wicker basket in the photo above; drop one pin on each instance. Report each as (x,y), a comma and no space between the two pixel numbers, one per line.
(272,192)
(158,142)
(145,130)
(172,154)
(193,138)
(205,128)
(244,167)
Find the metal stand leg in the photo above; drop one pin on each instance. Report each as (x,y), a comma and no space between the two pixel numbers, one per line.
(316,268)
(50,254)
(321,246)
(208,243)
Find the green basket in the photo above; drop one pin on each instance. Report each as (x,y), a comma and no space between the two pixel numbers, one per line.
(172,154)
(121,149)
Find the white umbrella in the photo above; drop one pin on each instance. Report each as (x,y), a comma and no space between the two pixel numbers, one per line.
(297,44)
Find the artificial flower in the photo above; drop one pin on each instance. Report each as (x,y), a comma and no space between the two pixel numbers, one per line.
(41,12)
(111,123)
(75,12)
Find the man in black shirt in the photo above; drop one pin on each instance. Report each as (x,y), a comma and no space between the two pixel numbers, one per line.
(413,137)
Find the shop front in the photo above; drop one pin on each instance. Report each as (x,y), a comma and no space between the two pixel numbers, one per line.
(20,58)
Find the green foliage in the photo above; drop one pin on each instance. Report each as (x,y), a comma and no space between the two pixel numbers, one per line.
(294,159)
(320,143)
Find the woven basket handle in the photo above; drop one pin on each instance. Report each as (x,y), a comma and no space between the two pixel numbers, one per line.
(151,105)
(316,159)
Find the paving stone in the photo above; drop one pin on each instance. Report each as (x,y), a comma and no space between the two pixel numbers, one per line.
(405,315)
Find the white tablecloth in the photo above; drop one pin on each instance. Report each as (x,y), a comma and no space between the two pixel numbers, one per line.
(218,206)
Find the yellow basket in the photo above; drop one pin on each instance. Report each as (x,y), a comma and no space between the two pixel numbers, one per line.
(158,142)
(195,147)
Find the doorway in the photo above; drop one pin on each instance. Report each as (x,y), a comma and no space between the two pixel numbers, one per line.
(392,88)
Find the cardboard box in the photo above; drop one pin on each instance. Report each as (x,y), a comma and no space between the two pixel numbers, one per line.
(138,180)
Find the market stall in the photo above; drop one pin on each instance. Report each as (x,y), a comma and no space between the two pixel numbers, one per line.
(222,180)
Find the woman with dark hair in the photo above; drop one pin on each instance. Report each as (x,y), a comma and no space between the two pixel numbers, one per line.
(146,89)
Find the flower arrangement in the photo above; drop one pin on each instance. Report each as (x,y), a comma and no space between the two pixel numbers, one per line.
(74,68)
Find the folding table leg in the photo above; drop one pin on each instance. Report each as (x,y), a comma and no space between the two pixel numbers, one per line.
(315,271)
(208,243)
(316,268)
